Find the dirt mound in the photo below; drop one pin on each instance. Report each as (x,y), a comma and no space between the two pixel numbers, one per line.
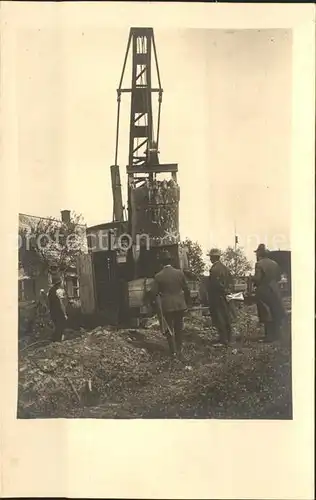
(112,373)
(57,377)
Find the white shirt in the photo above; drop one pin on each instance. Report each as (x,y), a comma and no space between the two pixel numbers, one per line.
(60,293)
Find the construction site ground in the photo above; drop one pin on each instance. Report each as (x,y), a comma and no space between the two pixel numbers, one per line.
(111,373)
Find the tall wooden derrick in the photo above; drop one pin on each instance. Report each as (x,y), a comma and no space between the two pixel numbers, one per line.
(152,203)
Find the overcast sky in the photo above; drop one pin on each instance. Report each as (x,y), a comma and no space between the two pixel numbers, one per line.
(226,120)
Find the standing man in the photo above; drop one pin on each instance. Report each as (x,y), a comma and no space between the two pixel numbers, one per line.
(57,308)
(269,301)
(218,288)
(172,295)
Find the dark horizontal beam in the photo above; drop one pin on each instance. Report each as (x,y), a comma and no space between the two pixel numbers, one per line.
(151,169)
(140,87)
(141,31)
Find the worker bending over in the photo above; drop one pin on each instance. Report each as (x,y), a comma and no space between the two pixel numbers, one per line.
(218,288)
(172,296)
(269,301)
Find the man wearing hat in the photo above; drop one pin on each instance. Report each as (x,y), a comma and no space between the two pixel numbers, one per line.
(218,288)
(57,308)
(269,301)
(172,295)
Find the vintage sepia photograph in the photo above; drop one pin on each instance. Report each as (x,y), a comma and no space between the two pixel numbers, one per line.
(154,248)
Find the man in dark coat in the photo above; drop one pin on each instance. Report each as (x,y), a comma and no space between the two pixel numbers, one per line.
(269,301)
(57,308)
(218,289)
(172,296)
(42,308)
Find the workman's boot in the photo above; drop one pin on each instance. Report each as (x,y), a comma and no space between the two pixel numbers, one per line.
(278,330)
(170,344)
(179,352)
(223,338)
(228,335)
(57,334)
(269,332)
(178,341)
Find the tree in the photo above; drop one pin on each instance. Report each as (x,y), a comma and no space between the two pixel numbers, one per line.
(51,245)
(195,257)
(236,261)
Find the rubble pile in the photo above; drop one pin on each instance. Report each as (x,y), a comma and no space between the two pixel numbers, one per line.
(57,377)
(112,373)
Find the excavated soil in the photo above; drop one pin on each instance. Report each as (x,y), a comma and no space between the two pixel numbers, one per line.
(112,373)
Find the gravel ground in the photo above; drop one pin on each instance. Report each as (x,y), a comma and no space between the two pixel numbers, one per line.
(110,373)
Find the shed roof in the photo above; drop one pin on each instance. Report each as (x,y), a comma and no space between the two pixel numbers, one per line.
(26,220)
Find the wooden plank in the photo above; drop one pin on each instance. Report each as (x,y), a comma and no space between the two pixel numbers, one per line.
(117,193)
(86,284)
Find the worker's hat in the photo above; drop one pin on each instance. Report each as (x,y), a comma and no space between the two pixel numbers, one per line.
(165,257)
(261,248)
(215,252)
